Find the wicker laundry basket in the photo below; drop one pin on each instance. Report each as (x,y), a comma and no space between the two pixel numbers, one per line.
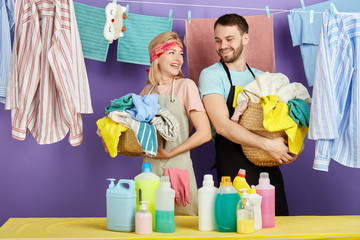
(252,119)
(129,145)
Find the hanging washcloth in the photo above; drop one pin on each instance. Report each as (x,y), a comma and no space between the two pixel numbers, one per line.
(145,108)
(276,118)
(91,21)
(299,112)
(200,37)
(120,104)
(110,132)
(140,30)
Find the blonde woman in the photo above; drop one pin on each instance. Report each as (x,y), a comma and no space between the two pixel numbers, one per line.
(181,98)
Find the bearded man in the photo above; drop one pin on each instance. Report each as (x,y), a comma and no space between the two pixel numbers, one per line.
(217,87)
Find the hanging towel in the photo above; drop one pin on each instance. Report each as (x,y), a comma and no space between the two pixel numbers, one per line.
(277,118)
(200,44)
(145,108)
(145,133)
(110,132)
(140,30)
(91,21)
(307,35)
(7,25)
(299,112)
(179,179)
(120,104)
(166,124)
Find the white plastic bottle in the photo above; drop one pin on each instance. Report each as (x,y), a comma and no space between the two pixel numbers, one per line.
(143,220)
(164,207)
(267,191)
(255,199)
(206,203)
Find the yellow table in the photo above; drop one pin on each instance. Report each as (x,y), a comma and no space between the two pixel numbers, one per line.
(294,227)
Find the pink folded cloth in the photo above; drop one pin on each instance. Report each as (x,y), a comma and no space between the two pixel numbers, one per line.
(179,179)
(200,44)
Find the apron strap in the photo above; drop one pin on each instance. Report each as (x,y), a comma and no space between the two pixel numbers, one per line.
(172,90)
(230,99)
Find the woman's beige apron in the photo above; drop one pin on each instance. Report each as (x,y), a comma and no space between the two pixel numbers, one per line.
(181,161)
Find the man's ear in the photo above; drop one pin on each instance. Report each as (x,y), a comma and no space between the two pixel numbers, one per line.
(245,38)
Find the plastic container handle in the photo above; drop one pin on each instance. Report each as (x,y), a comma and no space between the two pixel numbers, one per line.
(131,184)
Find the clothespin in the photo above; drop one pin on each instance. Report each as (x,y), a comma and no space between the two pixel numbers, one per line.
(311,16)
(170,15)
(189,16)
(332,6)
(267,11)
(302,4)
(115,1)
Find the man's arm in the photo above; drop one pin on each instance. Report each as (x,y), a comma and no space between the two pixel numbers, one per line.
(218,113)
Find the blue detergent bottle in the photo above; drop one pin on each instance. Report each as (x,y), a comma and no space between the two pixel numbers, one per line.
(226,201)
(121,205)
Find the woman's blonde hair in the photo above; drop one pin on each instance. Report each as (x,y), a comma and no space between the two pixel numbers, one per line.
(154,73)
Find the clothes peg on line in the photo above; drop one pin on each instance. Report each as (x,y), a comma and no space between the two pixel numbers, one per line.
(170,15)
(302,4)
(332,6)
(189,16)
(311,16)
(267,11)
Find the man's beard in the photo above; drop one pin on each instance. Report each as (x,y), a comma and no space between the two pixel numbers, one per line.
(236,54)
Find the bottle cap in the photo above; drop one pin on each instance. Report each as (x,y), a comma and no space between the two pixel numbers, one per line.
(252,189)
(241,173)
(112,184)
(225,181)
(143,206)
(165,182)
(208,180)
(244,193)
(147,167)
(264,178)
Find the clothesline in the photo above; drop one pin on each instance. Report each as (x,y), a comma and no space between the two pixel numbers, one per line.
(278,11)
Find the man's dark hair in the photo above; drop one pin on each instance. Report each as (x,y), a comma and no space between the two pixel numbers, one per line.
(231,20)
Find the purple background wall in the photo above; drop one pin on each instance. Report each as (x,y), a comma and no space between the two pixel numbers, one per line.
(62,181)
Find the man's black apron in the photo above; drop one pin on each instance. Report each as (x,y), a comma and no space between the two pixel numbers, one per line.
(230,158)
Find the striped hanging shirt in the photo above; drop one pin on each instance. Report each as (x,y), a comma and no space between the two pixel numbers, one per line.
(335,110)
(48,87)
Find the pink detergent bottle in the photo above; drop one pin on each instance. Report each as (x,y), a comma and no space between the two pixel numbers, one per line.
(267,192)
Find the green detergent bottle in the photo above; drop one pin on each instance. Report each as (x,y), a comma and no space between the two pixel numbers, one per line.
(226,202)
(146,184)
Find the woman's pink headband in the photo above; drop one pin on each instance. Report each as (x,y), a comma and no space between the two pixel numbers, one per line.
(161,48)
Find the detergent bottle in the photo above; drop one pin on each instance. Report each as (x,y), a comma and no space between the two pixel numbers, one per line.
(164,207)
(146,184)
(143,220)
(121,205)
(267,192)
(206,203)
(240,181)
(256,199)
(245,218)
(226,202)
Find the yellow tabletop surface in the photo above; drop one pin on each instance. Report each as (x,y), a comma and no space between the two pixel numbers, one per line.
(292,227)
